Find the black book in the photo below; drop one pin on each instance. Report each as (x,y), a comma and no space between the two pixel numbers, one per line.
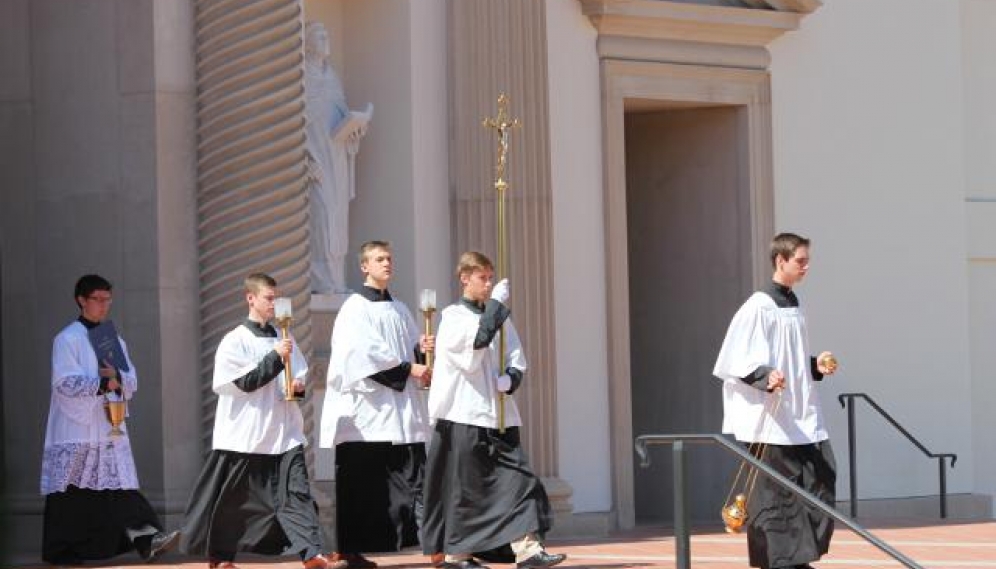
(107,346)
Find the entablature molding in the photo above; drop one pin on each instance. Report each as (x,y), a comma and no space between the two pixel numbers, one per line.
(682,32)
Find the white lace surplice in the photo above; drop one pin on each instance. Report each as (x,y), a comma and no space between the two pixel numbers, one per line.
(464,386)
(78,448)
(371,337)
(762,334)
(260,421)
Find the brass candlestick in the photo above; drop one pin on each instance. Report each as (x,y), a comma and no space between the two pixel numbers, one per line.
(503,126)
(283,316)
(427,304)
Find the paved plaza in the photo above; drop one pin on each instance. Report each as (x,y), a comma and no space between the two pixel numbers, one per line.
(951,545)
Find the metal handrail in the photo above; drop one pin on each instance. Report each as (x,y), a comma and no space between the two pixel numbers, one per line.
(852,450)
(683,558)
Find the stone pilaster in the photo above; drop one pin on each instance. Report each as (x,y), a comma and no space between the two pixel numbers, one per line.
(500,47)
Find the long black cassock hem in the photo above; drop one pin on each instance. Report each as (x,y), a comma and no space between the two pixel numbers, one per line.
(252,502)
(83,524)
(782,529)
(480,493)
(378,489)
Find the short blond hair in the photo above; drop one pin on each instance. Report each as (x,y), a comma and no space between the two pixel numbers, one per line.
(256,281)
(369,246)
(473,261)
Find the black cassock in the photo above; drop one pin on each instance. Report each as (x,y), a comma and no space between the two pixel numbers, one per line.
(782,530)
(84,524)
(378,495)
(480,493)
(259,503)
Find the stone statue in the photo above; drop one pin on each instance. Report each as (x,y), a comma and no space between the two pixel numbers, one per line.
(333,139)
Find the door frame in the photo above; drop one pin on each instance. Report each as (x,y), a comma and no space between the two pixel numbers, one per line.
(626,83)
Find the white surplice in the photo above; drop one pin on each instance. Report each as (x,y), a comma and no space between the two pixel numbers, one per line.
(79,450)
(464,386)
(370,337)
(762,334)
(260,421)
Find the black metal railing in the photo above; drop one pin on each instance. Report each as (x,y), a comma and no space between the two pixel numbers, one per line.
(852,453)
(683,549)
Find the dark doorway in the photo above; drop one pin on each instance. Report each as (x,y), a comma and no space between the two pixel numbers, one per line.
(688,216)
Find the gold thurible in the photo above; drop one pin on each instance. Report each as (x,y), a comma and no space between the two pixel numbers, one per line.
(735,512)
(503,126)
(284,319)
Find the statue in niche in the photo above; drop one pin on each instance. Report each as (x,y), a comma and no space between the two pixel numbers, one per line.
(333,139)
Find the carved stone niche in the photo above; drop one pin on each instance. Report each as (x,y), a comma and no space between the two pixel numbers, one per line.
(727,33)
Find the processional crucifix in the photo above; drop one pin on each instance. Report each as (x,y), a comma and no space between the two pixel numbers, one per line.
(503,126)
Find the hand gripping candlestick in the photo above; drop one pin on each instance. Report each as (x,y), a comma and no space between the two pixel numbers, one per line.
(282,314)
(503,126)
(427,304)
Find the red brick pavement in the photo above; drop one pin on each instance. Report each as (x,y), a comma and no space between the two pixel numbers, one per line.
(953,545)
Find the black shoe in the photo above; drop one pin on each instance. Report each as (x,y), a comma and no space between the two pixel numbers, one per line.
(465,564)
(541,560)
(161,543)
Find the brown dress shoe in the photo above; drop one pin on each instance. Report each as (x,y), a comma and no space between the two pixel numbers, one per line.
(354,560)
(222,565)
(436,559)
(322,562)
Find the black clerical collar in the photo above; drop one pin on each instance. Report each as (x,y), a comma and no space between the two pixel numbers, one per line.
(88,323)
(474,306)
(375,294)
(782,295)
(260,330)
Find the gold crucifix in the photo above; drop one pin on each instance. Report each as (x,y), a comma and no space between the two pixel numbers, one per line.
(504,126)
(501,124)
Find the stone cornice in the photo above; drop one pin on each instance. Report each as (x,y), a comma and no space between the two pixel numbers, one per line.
(704,24)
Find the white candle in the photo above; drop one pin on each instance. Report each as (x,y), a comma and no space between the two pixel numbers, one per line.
(282,307)
(427,300)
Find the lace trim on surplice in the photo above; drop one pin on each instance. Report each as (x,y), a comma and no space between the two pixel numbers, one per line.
(107,465)
(77,386)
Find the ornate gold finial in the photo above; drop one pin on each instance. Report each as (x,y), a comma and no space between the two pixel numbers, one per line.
(503,125)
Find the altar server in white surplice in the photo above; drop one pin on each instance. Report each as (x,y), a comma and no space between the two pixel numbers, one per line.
(769,396)
(253,493)
(482,499)
(93,507)
(375,415)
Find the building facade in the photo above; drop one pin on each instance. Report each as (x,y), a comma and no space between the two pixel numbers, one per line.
(160,143)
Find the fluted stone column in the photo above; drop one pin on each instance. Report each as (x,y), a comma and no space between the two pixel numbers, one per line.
(252,203)
(501,47)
